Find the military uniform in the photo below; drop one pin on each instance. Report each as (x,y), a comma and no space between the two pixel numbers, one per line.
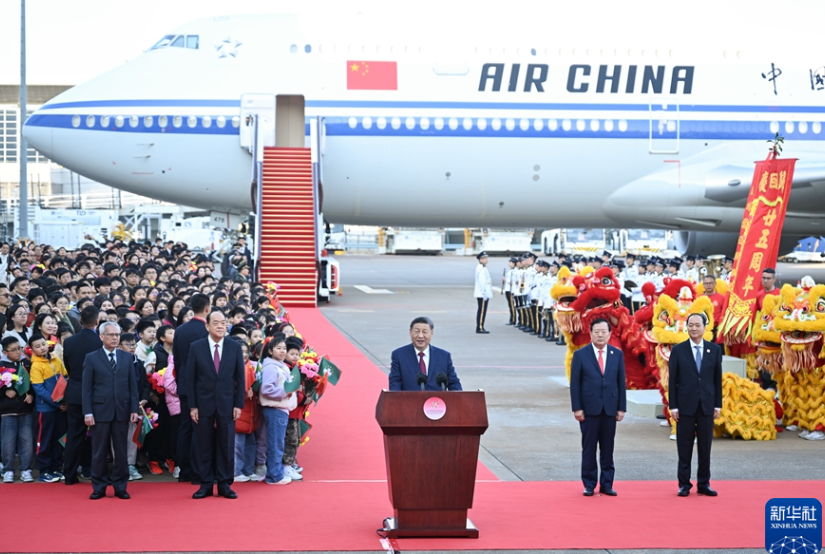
(506,287)
(483,292)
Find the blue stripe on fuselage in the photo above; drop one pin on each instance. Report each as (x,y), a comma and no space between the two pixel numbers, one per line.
(341,126)
(381,104)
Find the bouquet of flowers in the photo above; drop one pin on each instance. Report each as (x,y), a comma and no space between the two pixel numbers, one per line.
(8,377)
(156,380)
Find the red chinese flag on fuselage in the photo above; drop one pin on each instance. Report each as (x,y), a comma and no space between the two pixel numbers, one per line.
(363,75)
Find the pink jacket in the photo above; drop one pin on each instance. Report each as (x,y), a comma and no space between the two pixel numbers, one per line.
(170,387)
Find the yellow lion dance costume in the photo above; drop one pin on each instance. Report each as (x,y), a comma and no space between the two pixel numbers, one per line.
(799,318)
(747,410)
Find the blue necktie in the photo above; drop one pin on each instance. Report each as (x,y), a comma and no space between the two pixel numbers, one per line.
(698,358)
(112,361)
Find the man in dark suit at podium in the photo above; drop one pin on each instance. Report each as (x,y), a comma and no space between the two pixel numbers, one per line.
(420,358)
(597,392)
(695,400)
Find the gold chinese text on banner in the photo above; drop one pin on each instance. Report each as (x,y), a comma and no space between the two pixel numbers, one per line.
(758,244)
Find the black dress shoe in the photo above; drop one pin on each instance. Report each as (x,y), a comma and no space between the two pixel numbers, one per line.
(74,481)
(123,495)
(482,331)
(684,491)
(588,491)
(509,323)
(202,493)
(97,495)
(707,491)
(228,493)
(607,491)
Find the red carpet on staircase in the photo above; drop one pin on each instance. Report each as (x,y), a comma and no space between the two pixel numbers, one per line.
(344,498)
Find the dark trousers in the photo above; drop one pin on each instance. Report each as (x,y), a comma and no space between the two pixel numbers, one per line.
(174,429)
(49,450)
(292,440)
(699,426)
(511,305)
(186,443)
(78,447)
(635,307)
(627,303)
(481,313)
(598,430)
(215,431)
(536,318)
(106,435)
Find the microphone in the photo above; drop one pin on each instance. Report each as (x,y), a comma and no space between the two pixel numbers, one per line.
(421,380)
(441,379)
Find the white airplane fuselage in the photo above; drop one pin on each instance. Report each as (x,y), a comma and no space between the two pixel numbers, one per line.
(518,138)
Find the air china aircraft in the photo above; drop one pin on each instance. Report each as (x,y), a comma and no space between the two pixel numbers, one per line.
(478,136)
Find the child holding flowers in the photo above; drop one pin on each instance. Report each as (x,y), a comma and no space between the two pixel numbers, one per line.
(277,404)
(16,407)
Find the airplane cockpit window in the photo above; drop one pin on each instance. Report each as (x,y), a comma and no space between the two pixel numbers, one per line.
(191,42)
(163,43)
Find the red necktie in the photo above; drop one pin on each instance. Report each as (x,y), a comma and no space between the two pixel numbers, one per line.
(217,359)
(421,363)
(601,361)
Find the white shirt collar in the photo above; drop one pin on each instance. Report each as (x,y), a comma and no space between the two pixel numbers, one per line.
(109,352)
(212,343)
(694,345)
(596,350)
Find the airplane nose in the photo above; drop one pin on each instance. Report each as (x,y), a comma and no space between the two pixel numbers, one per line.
(38,135)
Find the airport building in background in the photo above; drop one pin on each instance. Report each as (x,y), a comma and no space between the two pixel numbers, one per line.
(53,187)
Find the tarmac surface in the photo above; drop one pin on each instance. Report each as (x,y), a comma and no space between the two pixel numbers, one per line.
(532,433)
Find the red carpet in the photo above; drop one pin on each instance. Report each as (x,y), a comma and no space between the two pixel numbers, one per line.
(344,516)
(345,498)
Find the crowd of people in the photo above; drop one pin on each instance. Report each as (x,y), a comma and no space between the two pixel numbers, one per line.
(154,300)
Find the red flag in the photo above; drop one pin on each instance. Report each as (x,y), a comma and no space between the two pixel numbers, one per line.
(758,244)
(363,75)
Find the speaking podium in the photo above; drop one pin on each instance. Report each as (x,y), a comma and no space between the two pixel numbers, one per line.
(431,441)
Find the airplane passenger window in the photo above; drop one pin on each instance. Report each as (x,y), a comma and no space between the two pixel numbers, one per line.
(236,121)
(191,121)
(76,121)
(307,48)
(163,121)
(147,121)
(163,43)
(192,41)
(133,121)
(177,121)
(178,42)
(104,121)
(207,121)
(293,48)
(119,121)
(90,121)
(221,121)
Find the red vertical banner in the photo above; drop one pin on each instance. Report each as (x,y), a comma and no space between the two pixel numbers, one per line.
(758,245)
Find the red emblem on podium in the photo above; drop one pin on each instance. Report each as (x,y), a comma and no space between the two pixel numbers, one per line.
(435,408)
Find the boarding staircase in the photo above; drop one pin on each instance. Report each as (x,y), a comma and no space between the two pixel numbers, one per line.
(288,225)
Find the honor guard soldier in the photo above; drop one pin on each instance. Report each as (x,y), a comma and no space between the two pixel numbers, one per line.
(595,263)
(549,303)
(674,269)
(691,271)
(483,291)
(659,274)
(517,290)
(529,278)
(506,288)
(607,257)
(727,269)
(621,276)
(537,296)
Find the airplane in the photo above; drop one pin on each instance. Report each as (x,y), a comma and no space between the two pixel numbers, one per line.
(418,132)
